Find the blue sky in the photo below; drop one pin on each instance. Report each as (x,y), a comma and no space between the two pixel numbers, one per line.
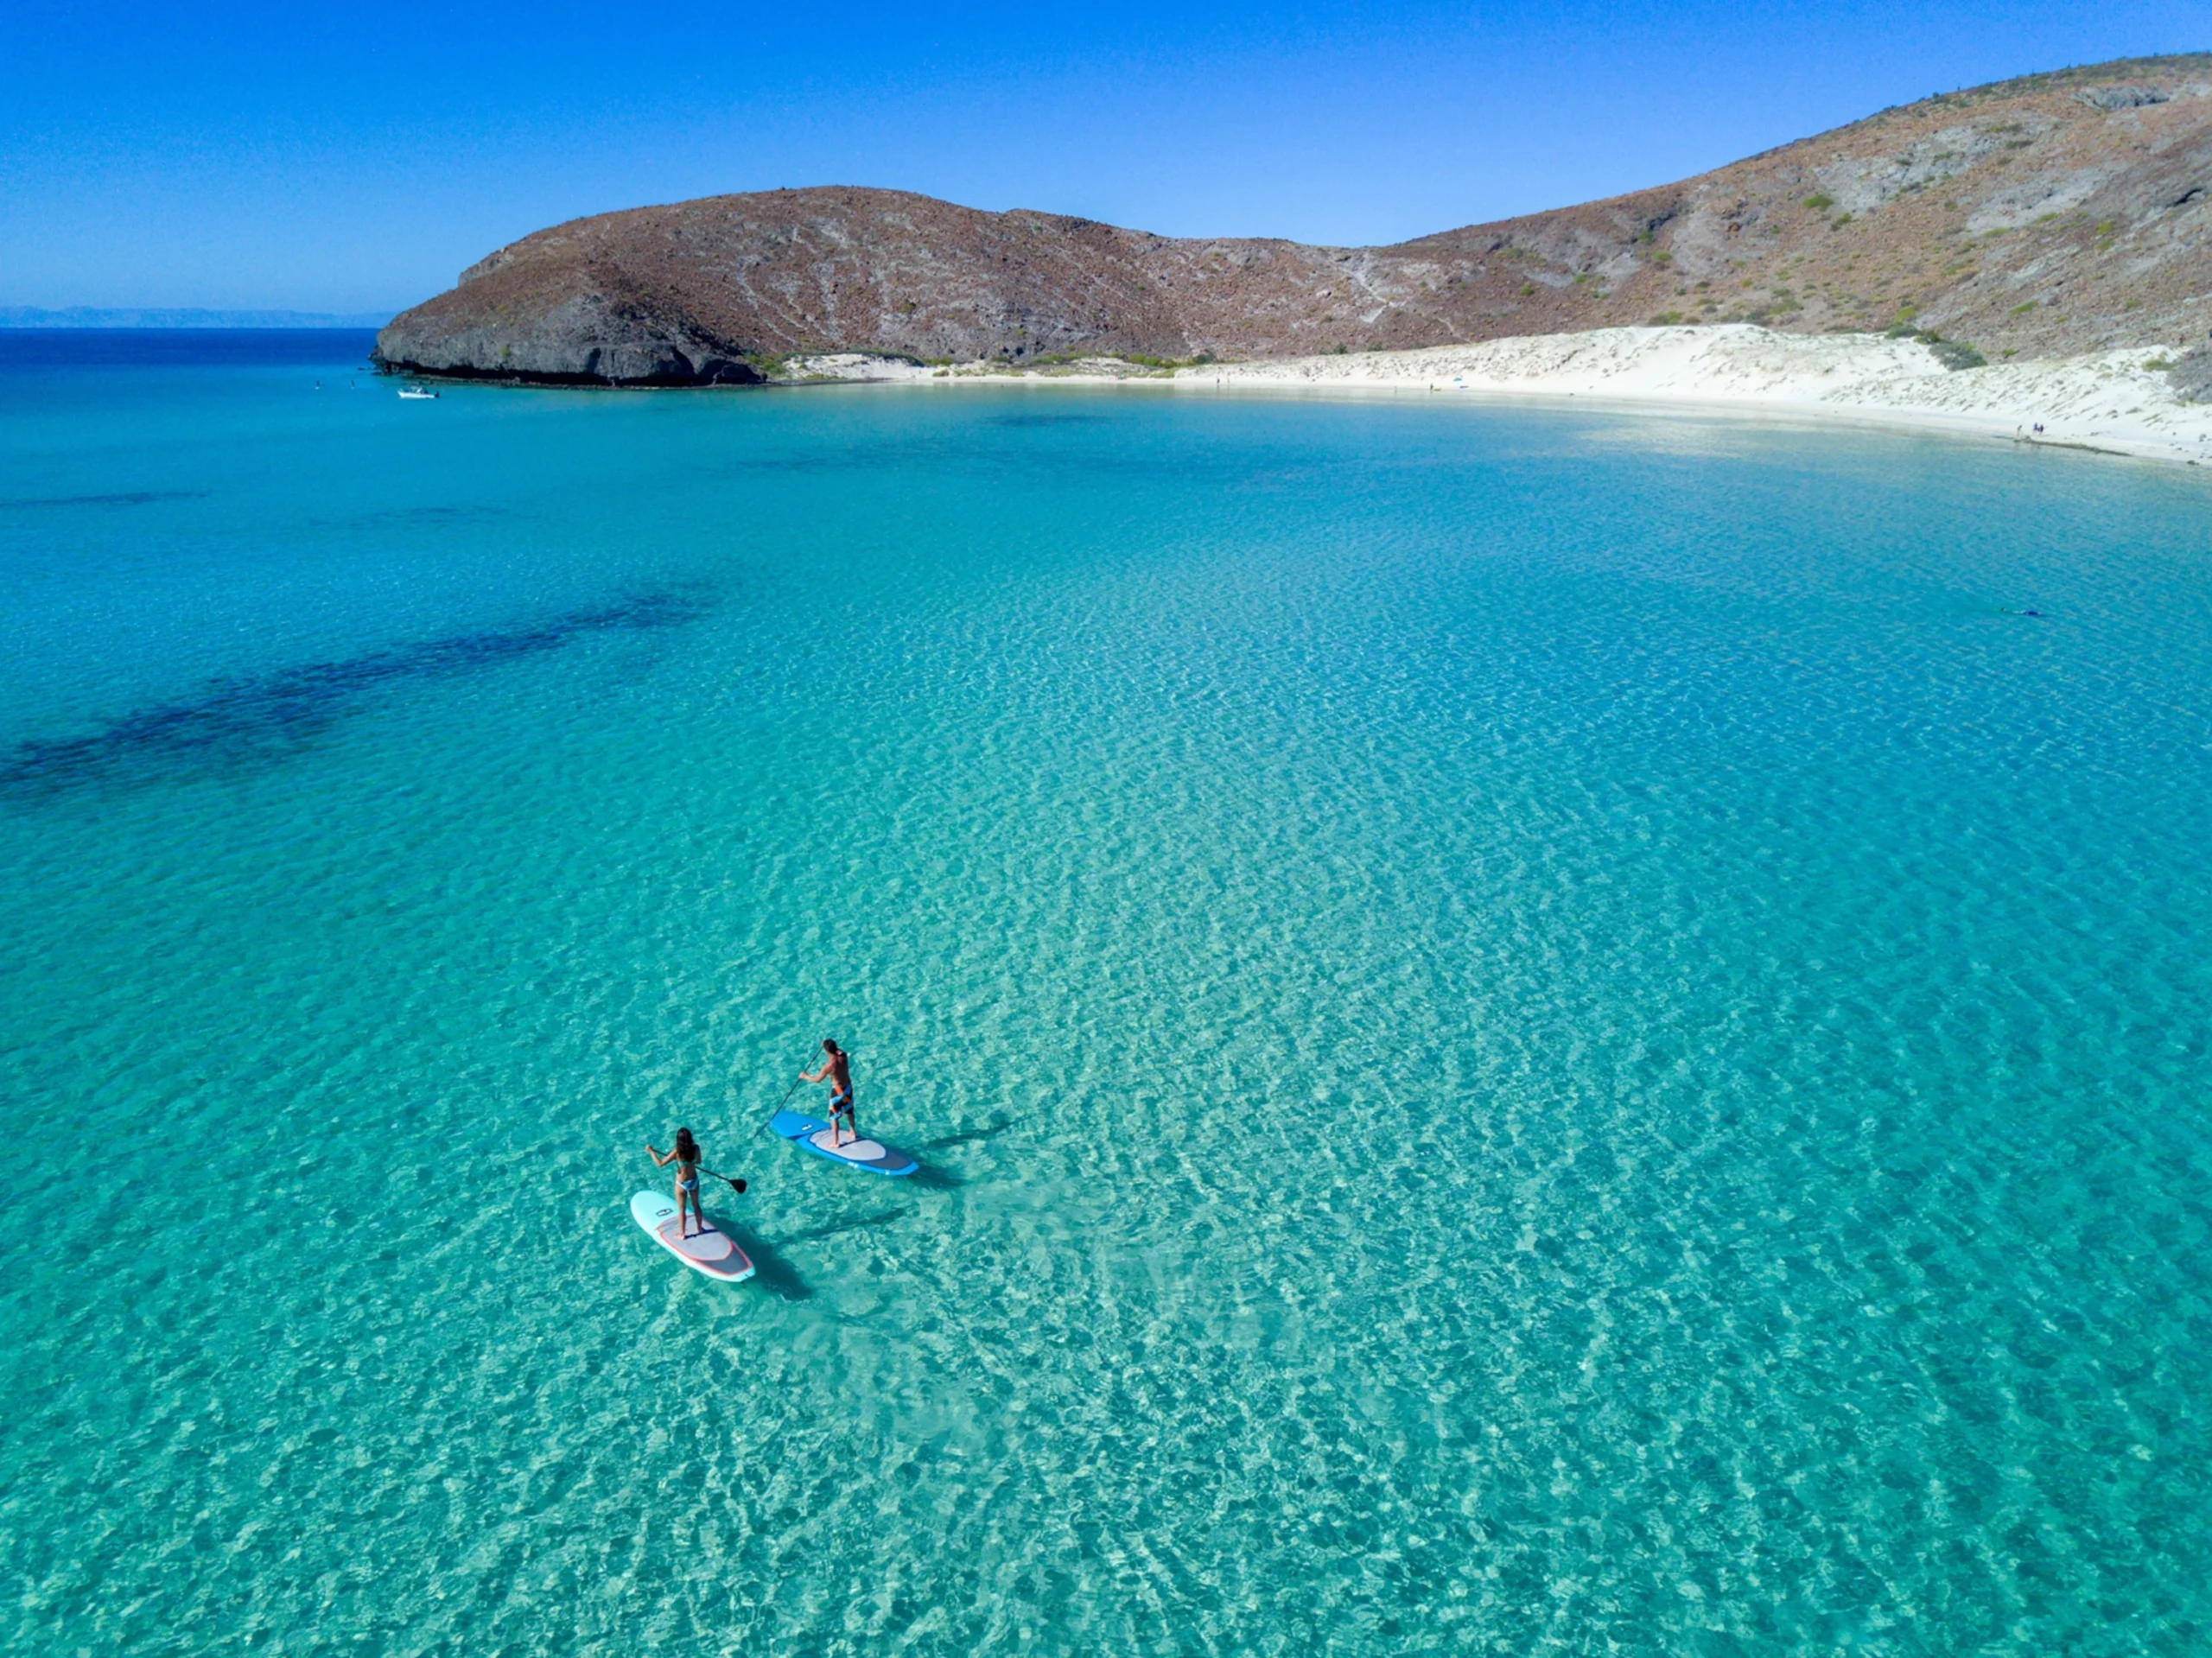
(352,157)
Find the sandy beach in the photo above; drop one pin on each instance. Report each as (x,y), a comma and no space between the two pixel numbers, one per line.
(2112,402)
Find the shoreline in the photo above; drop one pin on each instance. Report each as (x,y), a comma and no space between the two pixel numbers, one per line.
(2105,403)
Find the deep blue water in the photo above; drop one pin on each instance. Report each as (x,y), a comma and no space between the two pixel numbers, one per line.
(1531,1030)
(112,348)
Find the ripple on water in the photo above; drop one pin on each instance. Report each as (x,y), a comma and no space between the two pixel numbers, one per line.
(1520,1038)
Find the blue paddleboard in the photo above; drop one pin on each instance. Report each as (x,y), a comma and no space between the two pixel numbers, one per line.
(813,1134)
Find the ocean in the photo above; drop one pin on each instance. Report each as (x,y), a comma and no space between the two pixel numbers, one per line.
(1530,1028)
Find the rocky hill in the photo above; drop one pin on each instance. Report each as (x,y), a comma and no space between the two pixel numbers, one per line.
(2039,217)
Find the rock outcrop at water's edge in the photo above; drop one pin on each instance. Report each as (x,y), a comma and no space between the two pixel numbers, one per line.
(579,339)
(2047,216)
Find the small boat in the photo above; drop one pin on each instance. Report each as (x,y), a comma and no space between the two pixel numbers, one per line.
(417,393)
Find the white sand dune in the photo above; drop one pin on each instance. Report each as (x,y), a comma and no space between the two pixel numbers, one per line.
(2107,401)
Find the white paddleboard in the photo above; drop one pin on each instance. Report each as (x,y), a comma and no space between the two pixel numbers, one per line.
(713,1252)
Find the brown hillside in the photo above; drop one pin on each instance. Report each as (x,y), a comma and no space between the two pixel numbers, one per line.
(2042,216)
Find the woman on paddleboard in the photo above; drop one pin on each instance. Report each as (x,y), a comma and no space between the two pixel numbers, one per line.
(686,1157)
(837,1069)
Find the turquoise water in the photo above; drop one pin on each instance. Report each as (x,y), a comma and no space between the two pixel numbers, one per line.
(1531,1030)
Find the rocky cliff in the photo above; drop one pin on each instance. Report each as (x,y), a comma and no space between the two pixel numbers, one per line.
(2052,214)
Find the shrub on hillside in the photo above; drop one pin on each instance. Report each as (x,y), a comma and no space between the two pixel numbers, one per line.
(1951,354)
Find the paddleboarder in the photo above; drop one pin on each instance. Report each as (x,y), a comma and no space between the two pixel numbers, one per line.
(837,1071)
(686,1157)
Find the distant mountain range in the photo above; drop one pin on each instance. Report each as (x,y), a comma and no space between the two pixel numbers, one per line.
(85,316)
(2039,217)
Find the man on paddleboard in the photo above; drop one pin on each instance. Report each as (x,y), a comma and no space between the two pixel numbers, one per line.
(837,1070)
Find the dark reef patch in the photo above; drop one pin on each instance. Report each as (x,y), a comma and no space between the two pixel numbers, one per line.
(421,517)
(242,721)
(121,497)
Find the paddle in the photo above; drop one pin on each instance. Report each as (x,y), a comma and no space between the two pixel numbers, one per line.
(780,1104)
(735,1184)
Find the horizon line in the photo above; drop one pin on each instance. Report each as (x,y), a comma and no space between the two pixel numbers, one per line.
(151,317)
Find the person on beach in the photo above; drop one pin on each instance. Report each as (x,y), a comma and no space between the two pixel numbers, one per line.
(837,1071)
(686,1157)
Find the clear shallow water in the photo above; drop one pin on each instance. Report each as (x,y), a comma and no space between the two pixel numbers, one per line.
(1531,1030)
